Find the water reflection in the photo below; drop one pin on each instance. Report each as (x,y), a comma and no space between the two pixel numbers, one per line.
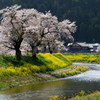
(43,91)
(38,91)
(92,75)
(88,81)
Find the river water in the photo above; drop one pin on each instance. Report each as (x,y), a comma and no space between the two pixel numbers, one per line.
(87,81)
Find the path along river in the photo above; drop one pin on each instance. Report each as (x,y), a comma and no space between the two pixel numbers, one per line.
(87,81)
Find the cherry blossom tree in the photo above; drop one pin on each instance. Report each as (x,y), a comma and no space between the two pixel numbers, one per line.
(53,45)
(13,25)
(45,32)
(66,28)
(42,25)
(28,27)
(53,40)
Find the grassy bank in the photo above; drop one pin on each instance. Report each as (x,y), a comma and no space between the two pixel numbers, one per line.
(87,58)
(83,57)
(45,67)
(29,70)
(80,96)
(83,96)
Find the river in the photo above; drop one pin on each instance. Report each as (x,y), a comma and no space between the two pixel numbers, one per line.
(87,81)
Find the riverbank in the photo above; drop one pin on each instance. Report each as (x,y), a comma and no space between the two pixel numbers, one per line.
(80,96)
(28,71)
(13,81)
(45,67)
(84,57)
(83,96)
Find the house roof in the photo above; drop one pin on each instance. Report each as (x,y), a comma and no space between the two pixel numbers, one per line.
(84,44)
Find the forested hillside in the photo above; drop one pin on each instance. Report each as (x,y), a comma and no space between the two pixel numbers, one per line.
(86,13)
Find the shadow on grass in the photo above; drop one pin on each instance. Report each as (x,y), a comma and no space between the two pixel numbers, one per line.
(25,59)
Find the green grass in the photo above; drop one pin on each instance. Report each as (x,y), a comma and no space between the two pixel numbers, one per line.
(83,57)
(62,57)
(80,96)
(45,62)
(83,96)
(70,71)
(6,60)
(13,70)
(80,57)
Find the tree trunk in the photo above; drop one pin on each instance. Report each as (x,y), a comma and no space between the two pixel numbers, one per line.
(34,55)
(18,54)
(17,49)
(50,51)
(34,52)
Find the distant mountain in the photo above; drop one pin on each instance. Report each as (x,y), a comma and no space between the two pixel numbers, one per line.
(86,13)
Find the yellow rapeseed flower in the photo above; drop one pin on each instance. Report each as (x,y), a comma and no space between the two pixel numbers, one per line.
(54,60)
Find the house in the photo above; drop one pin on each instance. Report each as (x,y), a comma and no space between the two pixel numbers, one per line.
(82,47)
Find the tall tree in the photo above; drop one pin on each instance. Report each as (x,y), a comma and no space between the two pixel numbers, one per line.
(13,24)
(47,31)
(38,29)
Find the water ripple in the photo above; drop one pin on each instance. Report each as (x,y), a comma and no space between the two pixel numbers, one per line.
(92,75)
